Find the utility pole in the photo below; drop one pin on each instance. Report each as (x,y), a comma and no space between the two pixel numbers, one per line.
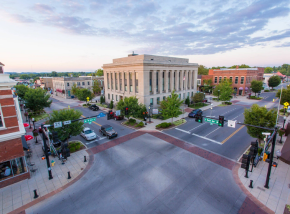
(271,159)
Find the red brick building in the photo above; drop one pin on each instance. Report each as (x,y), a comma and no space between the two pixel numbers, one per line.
(240,77)
(12,160)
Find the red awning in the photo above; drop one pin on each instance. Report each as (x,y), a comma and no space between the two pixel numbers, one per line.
(28,137)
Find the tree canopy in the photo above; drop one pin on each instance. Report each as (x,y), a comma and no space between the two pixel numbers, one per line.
(198,97)
(240,66)
(99,72)
(96,87)
(202,70)
(224,90)
(274,81)
(37,99)
(268,70)
(21,90)
(83,93)
(72,129)
(171,106)
(24,76)
(131,103)
(285,95)
(256,86)
(259,116)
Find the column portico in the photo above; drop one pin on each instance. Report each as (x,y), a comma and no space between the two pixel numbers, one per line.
(133,82)
(153,82)
(171,80)
(160,82)
(166,81)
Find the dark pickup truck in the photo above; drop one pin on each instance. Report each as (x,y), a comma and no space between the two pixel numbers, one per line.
(107,130)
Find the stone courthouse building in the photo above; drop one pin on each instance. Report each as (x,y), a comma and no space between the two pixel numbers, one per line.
(150,78)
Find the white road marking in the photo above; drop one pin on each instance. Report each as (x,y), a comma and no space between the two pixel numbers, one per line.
(96,140)
(182,130)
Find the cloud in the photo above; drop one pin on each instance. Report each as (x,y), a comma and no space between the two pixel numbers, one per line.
(286,44)
(21,19)
(43,8)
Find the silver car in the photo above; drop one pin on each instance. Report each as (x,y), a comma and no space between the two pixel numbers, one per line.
(88,134)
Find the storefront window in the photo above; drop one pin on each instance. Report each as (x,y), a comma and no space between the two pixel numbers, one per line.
(12,168)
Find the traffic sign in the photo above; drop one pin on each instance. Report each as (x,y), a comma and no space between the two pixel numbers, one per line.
(286,104)
(88,98)
(101,115)
(67,122)
(89,120)
(211,121)
(57,125)
(232,123)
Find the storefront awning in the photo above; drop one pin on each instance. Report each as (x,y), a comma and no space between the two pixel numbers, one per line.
(24,143)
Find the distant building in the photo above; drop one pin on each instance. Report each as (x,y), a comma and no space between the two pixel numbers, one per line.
(62,85)
(100,79)
(241,77)
(1,68)
(150,78)
(45,82)
(13,166)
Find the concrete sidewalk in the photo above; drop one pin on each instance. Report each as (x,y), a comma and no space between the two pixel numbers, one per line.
(278,194)
(21,193)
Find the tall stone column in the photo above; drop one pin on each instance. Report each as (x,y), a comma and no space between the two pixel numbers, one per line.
(133,82)
(166,81)
(160,81)
(171,80)
(177,80)
(185,81)
(190,80)
(123,82)
(153,81)
(181,80)
(194,79)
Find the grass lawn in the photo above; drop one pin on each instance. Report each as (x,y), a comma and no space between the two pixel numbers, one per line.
(102,105)
(40,116)
(222,105)
(179,122)
(199,105)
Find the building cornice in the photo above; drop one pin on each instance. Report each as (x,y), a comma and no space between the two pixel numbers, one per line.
(105,66)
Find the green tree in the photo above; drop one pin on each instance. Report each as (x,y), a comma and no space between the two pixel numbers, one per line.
(224,90)
(131,103)
(268,70)
(54,74)
(259,116)
(240,66)
(73,129)
(35,78)
(197,97)
(21,90)
(99,72)
(139,112)
(187,101)
(37,100)
(274,81)
(171,106)
(285,95)
(202,70)
(256,86)
(24,76)
(83,93)
(96,87)
(111,104)
(74,89)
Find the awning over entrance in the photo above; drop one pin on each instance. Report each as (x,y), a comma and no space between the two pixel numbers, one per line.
(24,143)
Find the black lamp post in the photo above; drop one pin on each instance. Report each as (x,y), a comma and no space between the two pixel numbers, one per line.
(29,121)
(149,113)
(284,121)
(218,95)
(33,120)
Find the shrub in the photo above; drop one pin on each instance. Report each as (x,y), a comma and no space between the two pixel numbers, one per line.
(77,147)
(84,104)
(131,120)
(72,149)
(266,90)
(163,125)
(228,103)
(141,124)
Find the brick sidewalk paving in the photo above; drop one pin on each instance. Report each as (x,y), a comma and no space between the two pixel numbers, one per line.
(21,193)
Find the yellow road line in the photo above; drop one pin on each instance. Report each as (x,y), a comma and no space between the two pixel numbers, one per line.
(93,122)
(235,132)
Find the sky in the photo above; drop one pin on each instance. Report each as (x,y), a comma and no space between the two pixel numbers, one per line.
(82,35)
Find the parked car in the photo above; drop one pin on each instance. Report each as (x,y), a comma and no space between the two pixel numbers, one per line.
(195,112)
(88,134)
(108,131)
(94,107)
(120,117)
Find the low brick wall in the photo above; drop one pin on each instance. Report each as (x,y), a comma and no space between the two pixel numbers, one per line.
(14,179)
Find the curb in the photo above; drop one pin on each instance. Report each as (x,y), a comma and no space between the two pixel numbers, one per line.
(251,203)
(42,198)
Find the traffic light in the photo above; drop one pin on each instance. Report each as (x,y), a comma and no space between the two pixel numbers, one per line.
(198,118)
(126,110)
(246,162)
(254,149)
(221,121)
(110,115)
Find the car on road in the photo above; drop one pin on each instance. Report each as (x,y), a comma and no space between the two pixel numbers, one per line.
(88,134)
(107,130)
(120,117)
(195,112)
(94,107)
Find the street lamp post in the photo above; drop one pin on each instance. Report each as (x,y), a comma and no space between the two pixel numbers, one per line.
(29,121)
(33,120)
(284,121)
(149,113)
(218,95)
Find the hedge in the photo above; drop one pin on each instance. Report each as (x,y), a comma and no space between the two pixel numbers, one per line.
(163,125)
